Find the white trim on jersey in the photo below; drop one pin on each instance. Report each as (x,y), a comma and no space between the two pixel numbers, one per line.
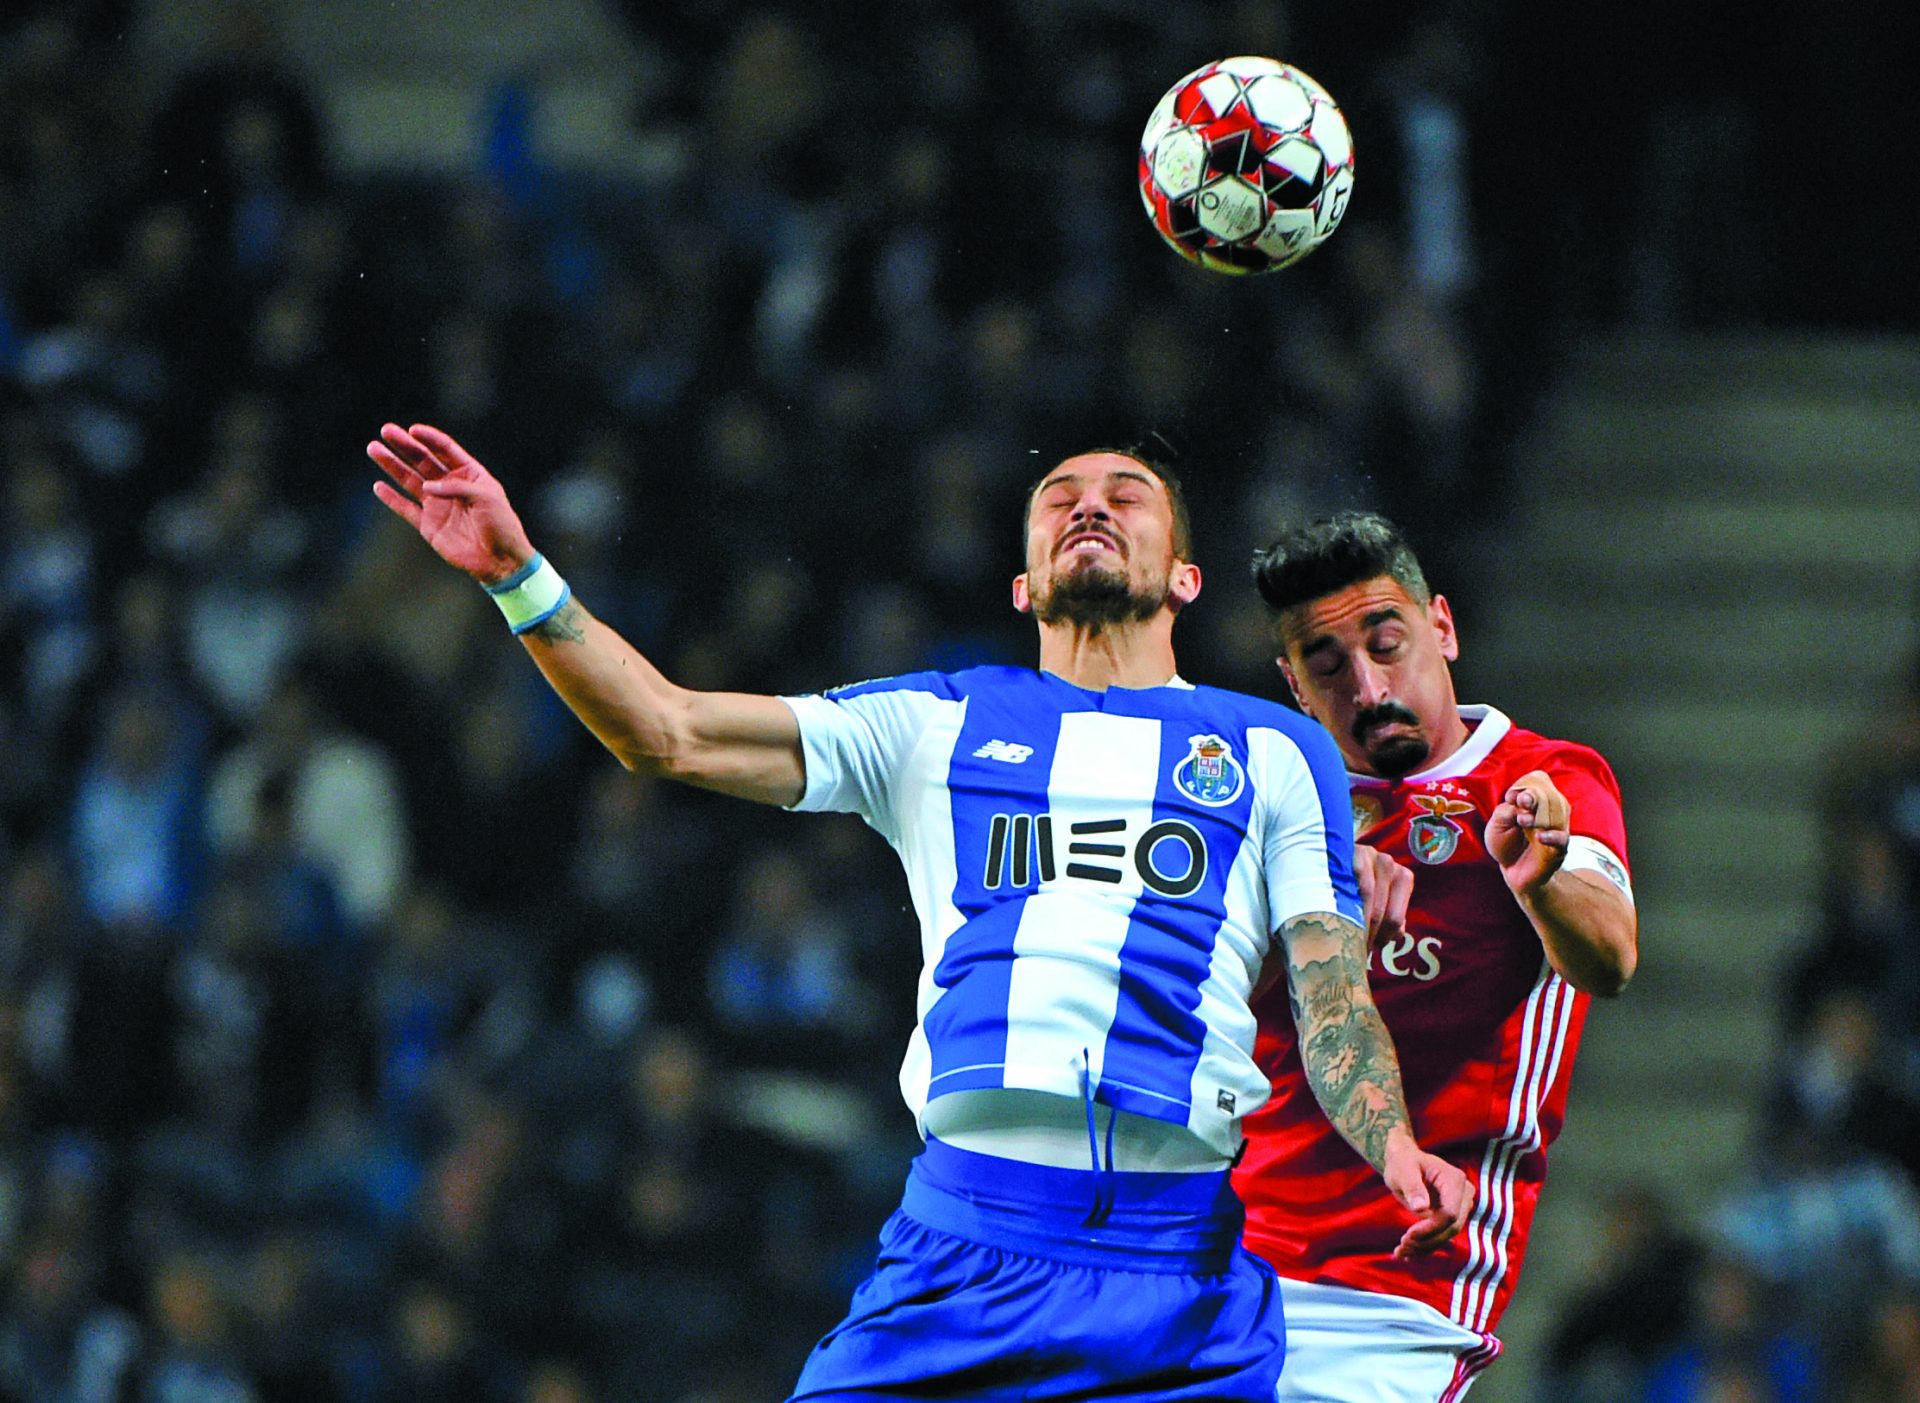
(1543,1034)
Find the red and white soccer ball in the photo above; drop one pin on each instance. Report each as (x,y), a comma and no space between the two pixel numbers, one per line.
(1246,165)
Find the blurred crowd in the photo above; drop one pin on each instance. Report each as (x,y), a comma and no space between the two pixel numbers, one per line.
(366,1034)
(1801,1282)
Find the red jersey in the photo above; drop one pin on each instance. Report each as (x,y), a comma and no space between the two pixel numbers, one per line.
(1486,1033)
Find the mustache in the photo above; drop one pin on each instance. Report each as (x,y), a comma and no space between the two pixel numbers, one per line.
(1374,715)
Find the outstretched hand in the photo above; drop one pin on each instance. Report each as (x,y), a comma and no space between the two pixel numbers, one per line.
(1528,832)
(457,506)
(1438,1193)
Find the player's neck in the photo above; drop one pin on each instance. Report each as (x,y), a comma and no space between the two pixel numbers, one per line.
(1449,736)
(1120,655)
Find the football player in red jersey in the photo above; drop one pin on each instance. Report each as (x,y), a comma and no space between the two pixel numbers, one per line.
(1521,909)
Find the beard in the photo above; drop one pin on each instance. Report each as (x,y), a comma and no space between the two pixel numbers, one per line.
(1097,598)
(1393,756)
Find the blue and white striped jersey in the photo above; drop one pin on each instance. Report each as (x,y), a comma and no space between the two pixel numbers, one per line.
(1096,875)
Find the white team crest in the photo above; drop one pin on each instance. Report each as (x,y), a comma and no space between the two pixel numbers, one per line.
(1209,774)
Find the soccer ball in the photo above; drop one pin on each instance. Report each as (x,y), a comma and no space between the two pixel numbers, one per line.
(1246,165)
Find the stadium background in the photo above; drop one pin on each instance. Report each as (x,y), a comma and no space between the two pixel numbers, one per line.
(365,1034)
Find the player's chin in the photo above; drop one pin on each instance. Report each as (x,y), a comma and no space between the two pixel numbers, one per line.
(1395,754)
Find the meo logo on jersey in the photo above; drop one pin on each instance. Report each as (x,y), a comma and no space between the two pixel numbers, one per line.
(1169,857)
(1209,774)
(1434,836)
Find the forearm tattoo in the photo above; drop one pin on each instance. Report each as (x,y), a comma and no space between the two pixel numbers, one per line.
(1344,1043)
(568,625)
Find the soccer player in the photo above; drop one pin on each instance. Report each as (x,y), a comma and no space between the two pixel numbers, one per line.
(1520,910)
(1102,857)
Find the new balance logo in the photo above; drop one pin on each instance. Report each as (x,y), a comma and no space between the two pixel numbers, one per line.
(1005,750)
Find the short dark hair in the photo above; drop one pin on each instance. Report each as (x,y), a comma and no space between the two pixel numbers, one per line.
(1176,496)
(1314,560)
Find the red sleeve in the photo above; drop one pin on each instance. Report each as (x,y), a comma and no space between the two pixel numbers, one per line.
(1592,791)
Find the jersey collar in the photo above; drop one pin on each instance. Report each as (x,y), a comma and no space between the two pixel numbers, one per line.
(1176,682)
(1490,726)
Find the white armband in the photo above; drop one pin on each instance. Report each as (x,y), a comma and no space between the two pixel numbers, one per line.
(531,595)
(1591,855)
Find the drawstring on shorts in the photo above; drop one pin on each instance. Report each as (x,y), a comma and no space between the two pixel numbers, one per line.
(1103,1178)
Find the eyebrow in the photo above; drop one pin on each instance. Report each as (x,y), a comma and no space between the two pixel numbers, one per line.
(1390,614)
(1131,475)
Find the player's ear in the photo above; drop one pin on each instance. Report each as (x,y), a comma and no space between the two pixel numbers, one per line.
(1440,615)
(1183,584)
(1022,601)
(1293,683)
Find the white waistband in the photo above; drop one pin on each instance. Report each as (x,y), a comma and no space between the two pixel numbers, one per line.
(1041,1128)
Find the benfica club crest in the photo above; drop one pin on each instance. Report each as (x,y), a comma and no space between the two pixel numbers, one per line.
(1209,774)
(1434,835)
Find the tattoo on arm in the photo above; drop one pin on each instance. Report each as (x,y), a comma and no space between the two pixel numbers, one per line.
(568,625)
(1344,1043)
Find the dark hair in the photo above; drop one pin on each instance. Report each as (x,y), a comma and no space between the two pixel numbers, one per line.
(1176,497)
(1322,556)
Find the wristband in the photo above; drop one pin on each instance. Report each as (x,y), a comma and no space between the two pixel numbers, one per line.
(530,595)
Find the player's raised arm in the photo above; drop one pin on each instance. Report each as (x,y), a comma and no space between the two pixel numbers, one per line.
(748,746)
(1355,1074)
(1584,918)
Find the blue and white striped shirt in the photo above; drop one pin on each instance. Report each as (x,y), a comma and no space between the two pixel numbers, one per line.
(1096,875)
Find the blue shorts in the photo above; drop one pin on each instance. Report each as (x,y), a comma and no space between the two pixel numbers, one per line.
(991,1285)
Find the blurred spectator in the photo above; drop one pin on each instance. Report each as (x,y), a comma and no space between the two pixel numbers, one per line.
(59,1342)
(342,794)
(67,140)
(48,581)
(192,1356)
(437,1357)
(1737,1349)
(555,1382)
(99,383)
(239,548)
(782,979)
(241,132)
(488,1225)
(1888,1369)
(633,877)
(284,1327)
(1633,1312)
(248,1009)
(1838,1080)
(1823,1221)
(136,834)
(1872,883)
(429,984)
(678,1245)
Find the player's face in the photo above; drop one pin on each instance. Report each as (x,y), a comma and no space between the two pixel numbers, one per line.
(1369,662)
(1100,546)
